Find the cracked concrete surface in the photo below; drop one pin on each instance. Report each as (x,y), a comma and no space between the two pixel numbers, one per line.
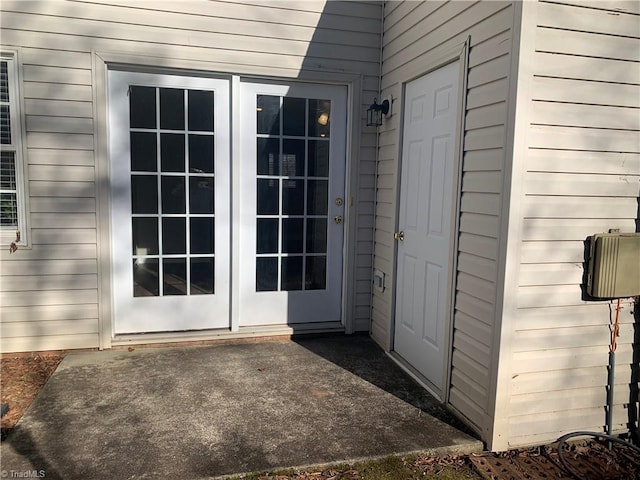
(201,412)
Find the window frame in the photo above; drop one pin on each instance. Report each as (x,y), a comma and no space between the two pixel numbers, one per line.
(9,234)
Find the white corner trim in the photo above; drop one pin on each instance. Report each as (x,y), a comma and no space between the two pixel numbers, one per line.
(103,205)
(518,114)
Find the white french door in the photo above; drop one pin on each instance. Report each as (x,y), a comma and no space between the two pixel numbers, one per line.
(292,167)
(171,222)
(169,148)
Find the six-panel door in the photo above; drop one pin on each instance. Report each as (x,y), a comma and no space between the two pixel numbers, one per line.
(425,218)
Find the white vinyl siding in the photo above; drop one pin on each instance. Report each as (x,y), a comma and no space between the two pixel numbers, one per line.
(582,176)
(416,33)
(56,306)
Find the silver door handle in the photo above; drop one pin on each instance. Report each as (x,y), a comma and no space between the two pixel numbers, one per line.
(399,235)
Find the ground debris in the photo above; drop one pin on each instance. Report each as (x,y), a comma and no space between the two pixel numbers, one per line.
(22,377)
(435,465)
(590,460)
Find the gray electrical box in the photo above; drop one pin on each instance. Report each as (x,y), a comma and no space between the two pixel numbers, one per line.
(614,265)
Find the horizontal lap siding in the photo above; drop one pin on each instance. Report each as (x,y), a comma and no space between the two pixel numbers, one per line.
(582,177)
(414,34)
(49,293)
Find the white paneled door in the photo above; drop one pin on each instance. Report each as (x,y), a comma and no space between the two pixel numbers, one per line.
(424,235)
(171,219)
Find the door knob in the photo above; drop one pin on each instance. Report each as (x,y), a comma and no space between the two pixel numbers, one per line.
(338,219)
(399,235)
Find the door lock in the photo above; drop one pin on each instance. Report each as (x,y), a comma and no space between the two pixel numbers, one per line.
(399,235)
(338,219)
(339,202)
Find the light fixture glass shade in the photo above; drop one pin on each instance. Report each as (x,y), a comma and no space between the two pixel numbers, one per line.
(374,117)
(375,112)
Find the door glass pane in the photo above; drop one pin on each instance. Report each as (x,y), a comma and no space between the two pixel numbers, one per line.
(300,231)
(292,158)
(173,198)
(144,194)
(202,280)
(175,231)
(202,235)
(174,236)
(291,273)
(316,273)
(143,152)
(145,235)
(172,152)
(174,277)
(319,118)
(172,109)
(293,114)
(201,153)
(142,112)
(292,229)
(316,235)
(267,235)
(145,277)
(317,197)
(268,154)
(318,158)
(200,110)
(201,196)
(268,114)
(292,197)
(266,274)
(268,197)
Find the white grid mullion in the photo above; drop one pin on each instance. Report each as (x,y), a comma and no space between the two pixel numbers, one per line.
(159,182)
(304,192)
(187,187)
(280,202)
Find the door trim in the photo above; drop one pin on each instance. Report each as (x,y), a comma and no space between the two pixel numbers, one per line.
(459,53)
(102,62)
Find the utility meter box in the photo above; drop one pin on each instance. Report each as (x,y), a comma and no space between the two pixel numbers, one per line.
(614,265)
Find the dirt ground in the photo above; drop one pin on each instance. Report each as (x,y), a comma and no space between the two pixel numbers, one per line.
(21,378)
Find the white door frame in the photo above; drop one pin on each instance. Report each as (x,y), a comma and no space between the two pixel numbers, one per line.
(459,53)
(102,63)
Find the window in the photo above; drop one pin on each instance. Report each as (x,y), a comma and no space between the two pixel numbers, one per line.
(12,201)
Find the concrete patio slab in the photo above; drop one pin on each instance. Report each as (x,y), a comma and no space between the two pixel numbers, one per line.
(202,412)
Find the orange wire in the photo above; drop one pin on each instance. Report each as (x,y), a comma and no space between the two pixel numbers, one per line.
(616,328)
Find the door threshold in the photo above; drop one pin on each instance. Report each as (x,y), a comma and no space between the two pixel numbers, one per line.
(202,336)
(417,376)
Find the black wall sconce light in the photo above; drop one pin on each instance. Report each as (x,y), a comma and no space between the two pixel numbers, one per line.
(375,112)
